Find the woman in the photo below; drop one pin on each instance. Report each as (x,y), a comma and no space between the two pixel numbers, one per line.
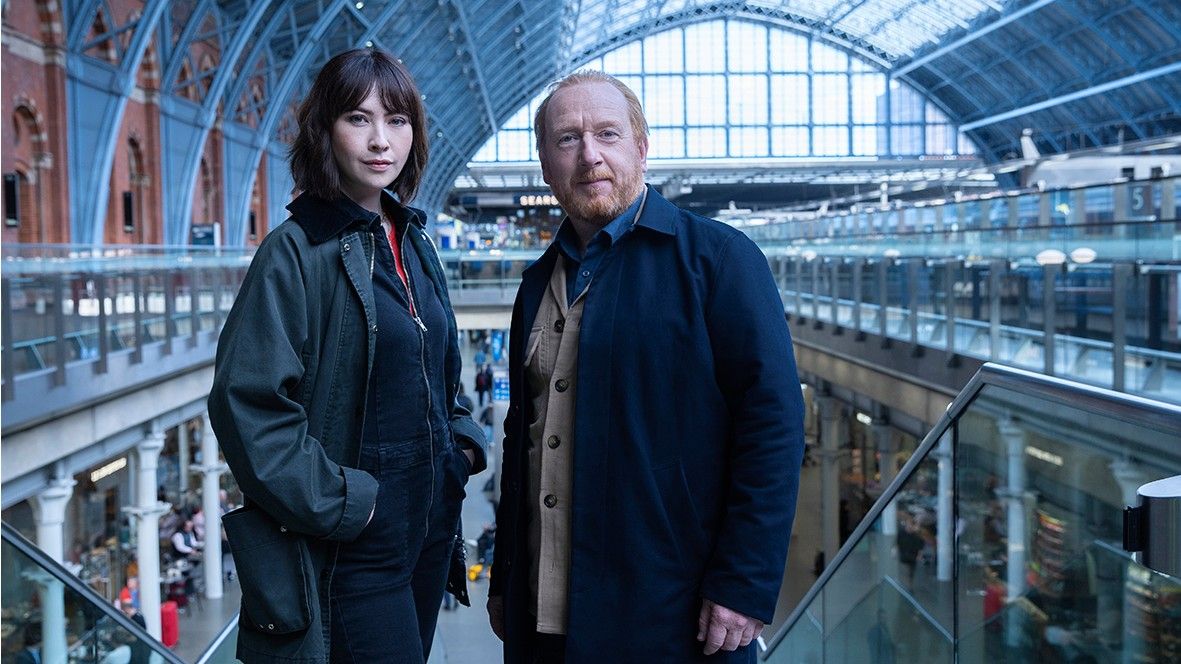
(334,395)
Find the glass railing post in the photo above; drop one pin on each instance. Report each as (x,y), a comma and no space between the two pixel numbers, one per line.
(951,271)
(815,291)
(799,286)
(830,455)
(884,300)
(137,314)
(169,277)
(912,278)
(996,273)
(7,332)
(834,292)
(194,305)
(1049,316)
(1121,277)
(858,269)
(61,352)
(104,339)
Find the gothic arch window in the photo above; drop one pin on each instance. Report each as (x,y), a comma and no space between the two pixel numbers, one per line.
(206,193)
(134,197)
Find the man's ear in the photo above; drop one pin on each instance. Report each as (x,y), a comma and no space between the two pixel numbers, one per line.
(642,144)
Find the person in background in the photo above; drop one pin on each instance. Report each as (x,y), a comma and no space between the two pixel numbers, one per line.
(334,391)
(633,527)
(129,595)
(186,543)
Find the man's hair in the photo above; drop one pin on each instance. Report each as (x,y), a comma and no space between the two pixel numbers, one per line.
(342,86)
(635,111)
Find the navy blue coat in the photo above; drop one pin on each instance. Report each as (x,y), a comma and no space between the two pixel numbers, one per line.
(688,441)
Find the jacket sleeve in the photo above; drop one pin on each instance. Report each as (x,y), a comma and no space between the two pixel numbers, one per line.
(469,436)
(756,373)
(255,410)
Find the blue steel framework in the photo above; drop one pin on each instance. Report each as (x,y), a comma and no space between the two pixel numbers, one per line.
(1079,72)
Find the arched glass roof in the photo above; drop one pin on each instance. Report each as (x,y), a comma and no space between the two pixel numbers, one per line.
(1079,74)
(774,93)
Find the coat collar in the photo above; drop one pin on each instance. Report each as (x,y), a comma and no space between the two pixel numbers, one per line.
(323,219)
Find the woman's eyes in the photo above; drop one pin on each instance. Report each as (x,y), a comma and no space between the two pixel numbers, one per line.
(399,120)
(360,119)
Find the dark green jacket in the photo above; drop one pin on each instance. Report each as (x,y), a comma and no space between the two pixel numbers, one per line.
(287,406)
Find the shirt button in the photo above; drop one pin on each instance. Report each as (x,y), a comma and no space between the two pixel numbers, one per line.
(553,442)
(271,626)
(559,325)
(561,385)
(551,500)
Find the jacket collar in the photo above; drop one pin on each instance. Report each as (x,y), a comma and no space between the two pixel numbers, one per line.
(659,214)
(323,219)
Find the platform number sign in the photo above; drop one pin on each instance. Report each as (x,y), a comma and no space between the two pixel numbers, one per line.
(1140,204)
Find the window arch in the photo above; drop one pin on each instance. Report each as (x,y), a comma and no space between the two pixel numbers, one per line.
(736,89)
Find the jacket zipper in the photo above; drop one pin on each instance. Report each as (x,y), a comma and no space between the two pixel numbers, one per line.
(422,363)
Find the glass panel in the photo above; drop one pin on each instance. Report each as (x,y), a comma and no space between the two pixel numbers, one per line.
(789,99)
(707,142)
(64,624)
(748,100)
(746,46)
(662,52)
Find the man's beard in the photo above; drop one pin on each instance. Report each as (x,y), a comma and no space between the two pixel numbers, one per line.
(600,210)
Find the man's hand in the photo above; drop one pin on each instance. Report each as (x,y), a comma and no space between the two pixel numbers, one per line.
(723,629)
(496,615)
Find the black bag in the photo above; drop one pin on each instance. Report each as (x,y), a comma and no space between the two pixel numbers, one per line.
(275,570)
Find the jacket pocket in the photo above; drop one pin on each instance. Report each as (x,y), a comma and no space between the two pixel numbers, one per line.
(275,570)
(687,534)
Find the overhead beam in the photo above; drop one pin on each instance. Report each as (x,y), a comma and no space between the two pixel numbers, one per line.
(474,56)
(970,37)
(1138,77)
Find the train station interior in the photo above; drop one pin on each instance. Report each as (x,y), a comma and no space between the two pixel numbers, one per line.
(971,210)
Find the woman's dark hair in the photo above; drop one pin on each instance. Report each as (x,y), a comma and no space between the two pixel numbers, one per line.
(342,86)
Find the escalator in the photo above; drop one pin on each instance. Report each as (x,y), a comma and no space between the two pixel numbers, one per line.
(1001,539)
(49,611)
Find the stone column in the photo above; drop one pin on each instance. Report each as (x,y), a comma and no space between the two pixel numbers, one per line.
(52,595)
(830,475)
(944,511)
(182,447)
(49,513)
(883,436)
(147,511)
(1016,530)
(211,470)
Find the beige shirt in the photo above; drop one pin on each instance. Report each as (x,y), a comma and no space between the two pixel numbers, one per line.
(551,365)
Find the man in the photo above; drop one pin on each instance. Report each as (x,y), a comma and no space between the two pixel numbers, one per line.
(633,527)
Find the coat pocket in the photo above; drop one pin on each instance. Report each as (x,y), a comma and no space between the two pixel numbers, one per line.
(275,570)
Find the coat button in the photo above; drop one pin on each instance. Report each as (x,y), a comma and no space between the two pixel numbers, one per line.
(551,500)
(375,327)
(553,442)
(271,626)
(562,385)
(559,325)
(282,529)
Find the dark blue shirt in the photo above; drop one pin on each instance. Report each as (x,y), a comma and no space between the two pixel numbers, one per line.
(580,267)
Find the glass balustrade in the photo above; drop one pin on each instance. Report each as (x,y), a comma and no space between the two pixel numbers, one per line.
(1001,539)
(50,611)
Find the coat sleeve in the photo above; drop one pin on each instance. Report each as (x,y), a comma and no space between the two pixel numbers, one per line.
(255,412)
(469,436)
(756,373)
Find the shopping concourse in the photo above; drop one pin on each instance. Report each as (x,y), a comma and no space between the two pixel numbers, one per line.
(970,211)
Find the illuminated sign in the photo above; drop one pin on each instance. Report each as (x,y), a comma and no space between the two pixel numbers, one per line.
(538,200)
(109,469)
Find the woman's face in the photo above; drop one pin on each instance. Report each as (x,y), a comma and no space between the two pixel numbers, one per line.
(370,145)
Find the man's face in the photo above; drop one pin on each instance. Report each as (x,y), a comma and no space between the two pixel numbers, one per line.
(590,156)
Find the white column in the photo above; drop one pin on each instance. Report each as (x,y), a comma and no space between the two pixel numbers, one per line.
(1016,530)
(182,448)
(883,436)
(830,472)
(52,596)
(49,513)
(944,526)
(211,471)
(148,511)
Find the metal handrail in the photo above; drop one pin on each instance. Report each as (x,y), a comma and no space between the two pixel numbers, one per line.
(1096,400)
(221,637)
(25,547)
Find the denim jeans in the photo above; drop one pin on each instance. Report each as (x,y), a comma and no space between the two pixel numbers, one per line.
(388,583)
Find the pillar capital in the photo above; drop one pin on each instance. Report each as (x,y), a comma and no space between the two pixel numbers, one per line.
(49,505)
(146,512)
